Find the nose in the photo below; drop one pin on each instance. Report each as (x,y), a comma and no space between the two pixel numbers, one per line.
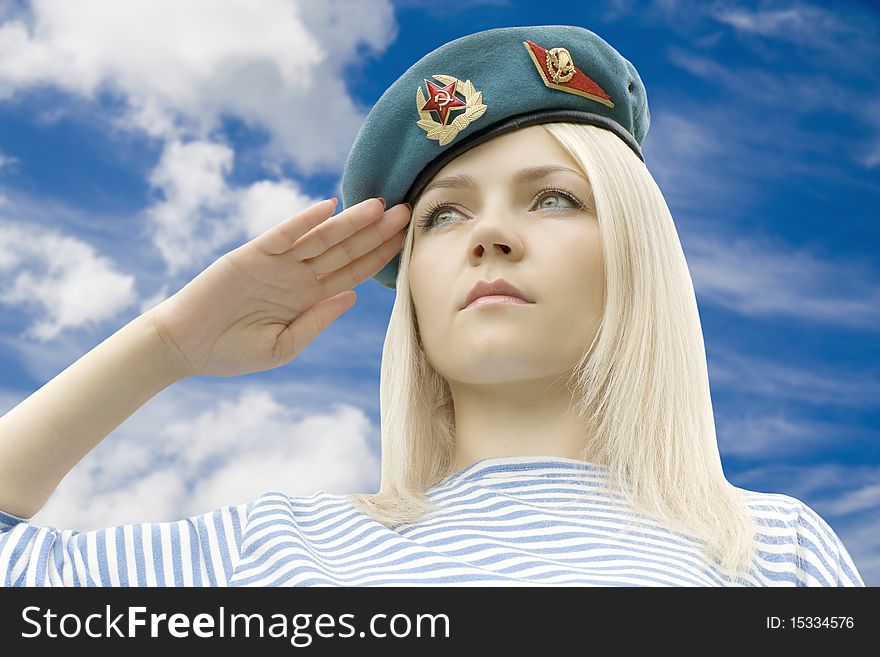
(492,235)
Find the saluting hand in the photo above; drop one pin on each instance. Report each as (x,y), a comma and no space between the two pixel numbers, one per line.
(257,307)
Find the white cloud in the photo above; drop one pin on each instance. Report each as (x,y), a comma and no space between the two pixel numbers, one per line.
(448,8)
(839,489)
(705,156)
(678,150)
(768,379)
(181,67)
(180,70)
(61,278)
(202,446)
(6,161)
(701,168)
(771,434)
(805,91)
(195,216)
(869,151)
(43,360)
(818,87)
(787,23)
(76,505)
(807,26)
(201,213)
(812,60)
(864,498)
(268,202)
(758,278)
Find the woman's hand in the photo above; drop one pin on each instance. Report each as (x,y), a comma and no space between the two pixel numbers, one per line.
(257,307)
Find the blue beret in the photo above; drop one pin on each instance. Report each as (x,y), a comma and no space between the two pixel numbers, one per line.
(480,86)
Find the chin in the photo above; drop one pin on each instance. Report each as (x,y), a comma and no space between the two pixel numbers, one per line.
(499,373)
(505,334)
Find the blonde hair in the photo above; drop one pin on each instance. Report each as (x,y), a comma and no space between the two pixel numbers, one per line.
(641,388)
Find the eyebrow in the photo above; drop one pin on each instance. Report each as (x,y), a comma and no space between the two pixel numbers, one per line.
(523,175)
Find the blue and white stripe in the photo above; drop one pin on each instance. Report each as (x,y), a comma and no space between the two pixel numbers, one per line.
(198,551)
(504,521)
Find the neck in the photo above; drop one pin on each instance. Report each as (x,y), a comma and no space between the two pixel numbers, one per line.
(529,418)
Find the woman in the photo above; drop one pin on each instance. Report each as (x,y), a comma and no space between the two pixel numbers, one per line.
(546,416)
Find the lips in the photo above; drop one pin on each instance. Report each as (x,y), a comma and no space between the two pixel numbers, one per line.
(497,287)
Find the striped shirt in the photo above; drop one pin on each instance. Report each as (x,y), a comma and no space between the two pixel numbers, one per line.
(503,521)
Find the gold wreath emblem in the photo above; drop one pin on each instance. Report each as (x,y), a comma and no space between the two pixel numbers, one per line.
(474,109)
(560,65)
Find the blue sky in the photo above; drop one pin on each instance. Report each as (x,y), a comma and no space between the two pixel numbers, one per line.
(140,142)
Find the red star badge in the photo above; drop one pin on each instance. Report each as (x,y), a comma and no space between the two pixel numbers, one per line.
(442,100)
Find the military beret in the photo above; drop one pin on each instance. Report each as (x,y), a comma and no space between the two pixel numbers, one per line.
(478,87)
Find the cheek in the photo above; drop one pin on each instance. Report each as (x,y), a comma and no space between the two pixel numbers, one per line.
(579,272)
(419,280)
(426,288)
(429,274)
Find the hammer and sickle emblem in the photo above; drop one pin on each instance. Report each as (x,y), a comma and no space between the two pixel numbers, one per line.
(443,97)
(560,65)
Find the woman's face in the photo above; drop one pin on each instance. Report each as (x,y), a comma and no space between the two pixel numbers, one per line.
(518,208)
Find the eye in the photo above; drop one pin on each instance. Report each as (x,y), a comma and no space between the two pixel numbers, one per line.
(438,214)
(549,198)
(557,199)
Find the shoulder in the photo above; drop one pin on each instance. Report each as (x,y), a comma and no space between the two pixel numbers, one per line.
(780,510)
(773,508)
(786,521)
(280,504)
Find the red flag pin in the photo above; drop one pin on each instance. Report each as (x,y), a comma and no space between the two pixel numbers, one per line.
(558,71)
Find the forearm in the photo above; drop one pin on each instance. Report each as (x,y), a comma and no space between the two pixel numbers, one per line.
(48,433)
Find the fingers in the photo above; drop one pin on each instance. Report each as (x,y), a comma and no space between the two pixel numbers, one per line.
(284,235)
(365,240)
(311,323)
(362,268)
(339,228)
